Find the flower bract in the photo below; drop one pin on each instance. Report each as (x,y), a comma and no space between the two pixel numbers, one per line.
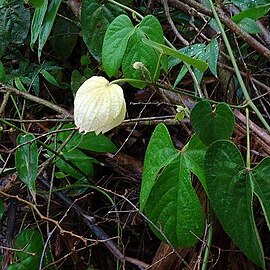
(99,106)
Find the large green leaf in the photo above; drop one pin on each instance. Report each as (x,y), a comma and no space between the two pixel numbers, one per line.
(115,43)
(14,25)
(230,190)
(37,21)
(261,180)
(211,125)
(95,19)
(174,207)
(47,24)
(253,13)
(194,154)
(159,153)
(26,159)
(30,242)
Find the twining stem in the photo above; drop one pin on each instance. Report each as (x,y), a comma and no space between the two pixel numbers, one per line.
(208,242)
(248,140)
(236,69)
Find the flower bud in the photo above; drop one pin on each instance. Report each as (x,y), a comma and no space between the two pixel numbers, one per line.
(99,106)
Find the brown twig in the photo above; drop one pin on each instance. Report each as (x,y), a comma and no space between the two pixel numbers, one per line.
(90,221)
(26,95)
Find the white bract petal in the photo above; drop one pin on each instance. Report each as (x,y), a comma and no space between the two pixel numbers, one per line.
(99,106)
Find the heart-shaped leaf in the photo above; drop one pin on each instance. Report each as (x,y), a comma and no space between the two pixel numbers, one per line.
(211,125)
(95,19)
(230,190)
(174,207)
(115,43)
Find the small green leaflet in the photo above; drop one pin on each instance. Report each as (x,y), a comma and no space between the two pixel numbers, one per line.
(231,188)
(37,21)
(211,125)
(26,159)
(201,65)
(47,24)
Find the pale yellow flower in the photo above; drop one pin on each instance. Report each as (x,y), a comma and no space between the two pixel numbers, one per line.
(99,106)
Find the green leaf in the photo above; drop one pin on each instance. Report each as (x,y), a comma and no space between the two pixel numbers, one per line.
(194,154)
(246,4)
(191,51)
(138,52)
(26,159)
(37,3)
(14,25)
(211,125)
(77,79)
(115,43)
(261,181)
(253,13)
(49,77)
(30,242)
(201,65)
(89,141)
(210,55)
(174,207)
(230,190)
(47,24)
(250,26)
(95,19)
(2,73)
(19,84)
(159,153)
(79,159)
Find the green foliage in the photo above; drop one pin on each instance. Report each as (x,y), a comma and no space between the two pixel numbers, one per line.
(14,24)
(201,65)
(174,207)
(29,245)
(95,19)
(47,24)
(211,125)
(2,72)
(26,158)
(123,45)
(89,141)
(231,189)
(167,196)
(252,11)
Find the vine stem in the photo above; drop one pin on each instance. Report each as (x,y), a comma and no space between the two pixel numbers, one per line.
(248,140)
(208,242)
(236,69)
